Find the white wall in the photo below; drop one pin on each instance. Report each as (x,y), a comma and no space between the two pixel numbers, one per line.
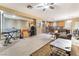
(54,24)
(76,25)
(9,23)
(1,12)
(0,21)
(68,24)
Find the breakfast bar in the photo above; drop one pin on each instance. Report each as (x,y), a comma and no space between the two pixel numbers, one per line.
(36,45)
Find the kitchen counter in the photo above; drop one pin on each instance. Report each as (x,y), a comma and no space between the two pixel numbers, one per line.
(64,44)
(27,46)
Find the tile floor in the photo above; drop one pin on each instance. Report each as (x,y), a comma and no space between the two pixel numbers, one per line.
(2,48)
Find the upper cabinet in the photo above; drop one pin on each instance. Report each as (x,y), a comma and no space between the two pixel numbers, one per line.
(61,23)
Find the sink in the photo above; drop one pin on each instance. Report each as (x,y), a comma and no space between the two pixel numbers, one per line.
(67,47)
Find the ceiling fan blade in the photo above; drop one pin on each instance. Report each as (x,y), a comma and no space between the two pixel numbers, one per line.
(51,7)
(51,3)
(44,9)
(29,6)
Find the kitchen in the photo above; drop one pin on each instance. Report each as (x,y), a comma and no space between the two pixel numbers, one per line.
(54,36)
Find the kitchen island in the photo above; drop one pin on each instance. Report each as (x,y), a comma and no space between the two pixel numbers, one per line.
(36,45)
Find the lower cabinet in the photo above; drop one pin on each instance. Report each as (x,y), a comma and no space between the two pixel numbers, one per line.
(44,51)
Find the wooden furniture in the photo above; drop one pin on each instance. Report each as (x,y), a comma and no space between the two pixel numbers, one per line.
(61,23)
(75,47)
(24,33)
(44,51)
(75,50)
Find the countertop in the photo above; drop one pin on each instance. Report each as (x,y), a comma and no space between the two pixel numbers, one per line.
(27,46)
(64,44)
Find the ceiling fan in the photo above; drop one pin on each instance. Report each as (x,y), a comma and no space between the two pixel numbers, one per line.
(44,6)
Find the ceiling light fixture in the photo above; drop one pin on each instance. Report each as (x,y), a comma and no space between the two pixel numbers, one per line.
(42,6)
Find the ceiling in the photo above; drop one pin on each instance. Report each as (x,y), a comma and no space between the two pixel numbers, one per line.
(62,10)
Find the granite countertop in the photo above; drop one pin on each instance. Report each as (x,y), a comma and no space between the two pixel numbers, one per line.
(64,44)
(27,46)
